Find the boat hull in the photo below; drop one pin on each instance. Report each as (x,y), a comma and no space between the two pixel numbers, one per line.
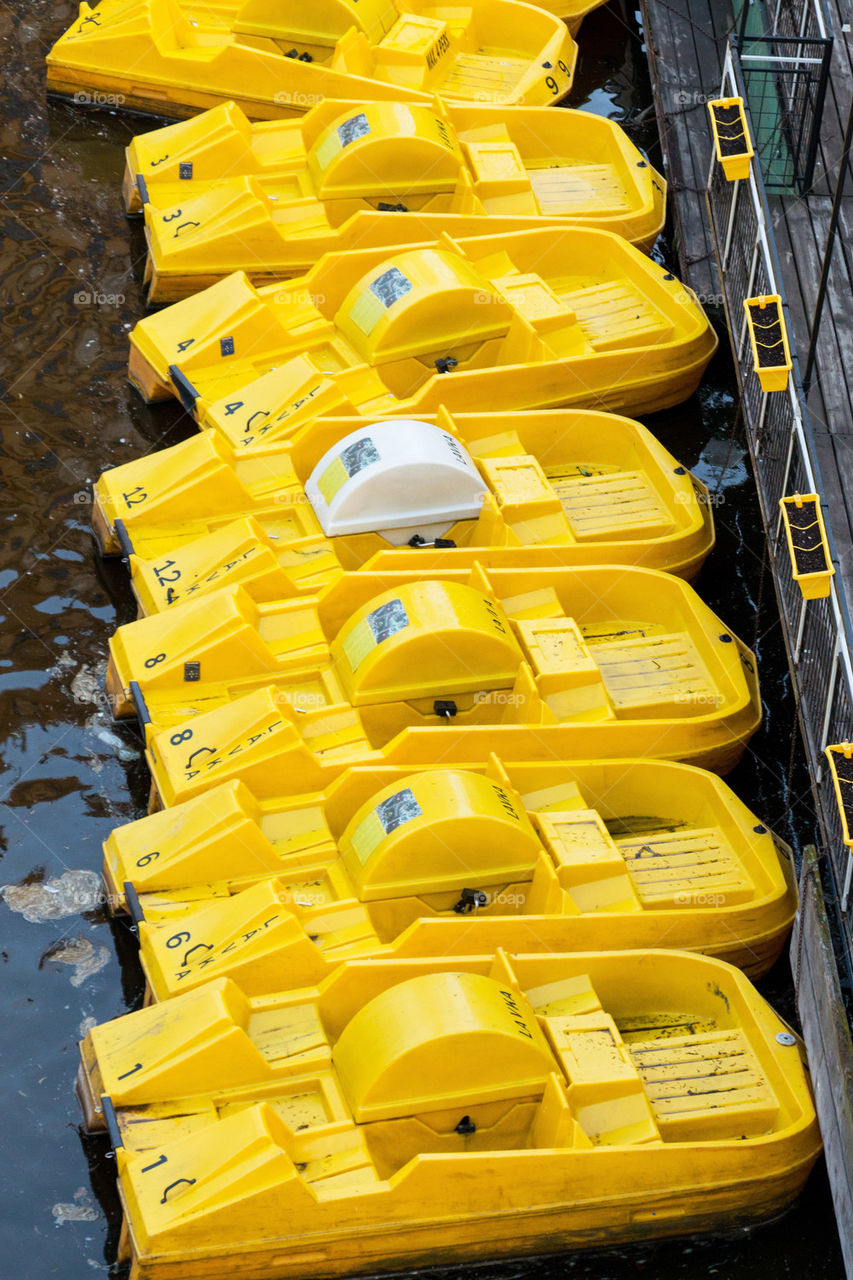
(731,1201)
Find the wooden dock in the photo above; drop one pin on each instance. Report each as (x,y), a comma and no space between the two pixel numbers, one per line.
(685,40)
(687,43)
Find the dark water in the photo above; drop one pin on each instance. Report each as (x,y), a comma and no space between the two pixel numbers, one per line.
(70,273)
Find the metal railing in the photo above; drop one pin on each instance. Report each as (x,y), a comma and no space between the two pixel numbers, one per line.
(818,633)
(785,51)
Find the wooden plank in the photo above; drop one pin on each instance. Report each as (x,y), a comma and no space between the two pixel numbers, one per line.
(686,69)
(827,1038)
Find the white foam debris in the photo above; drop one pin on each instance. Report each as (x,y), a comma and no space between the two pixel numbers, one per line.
(81,1209)
(82,955)
(71,893)
(122,750)
(87,685)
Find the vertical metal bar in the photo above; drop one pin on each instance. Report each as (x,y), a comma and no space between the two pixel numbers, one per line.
(801,626)
(759,426)
(731,226)
(845,896)
(830,692)
(785,475)
(744,17)
(817,117)
(814,333)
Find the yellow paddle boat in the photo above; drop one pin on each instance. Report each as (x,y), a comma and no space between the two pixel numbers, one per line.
(431,1112)
(535,319)
(577,663)
(177,57)
(355,175)
(550,488)
(413,862)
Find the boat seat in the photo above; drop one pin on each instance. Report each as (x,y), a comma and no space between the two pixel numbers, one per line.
(588,865)
(577,189)
(605,1091)
(341,1157)
(615,314)
(705,1087)
(534,299)
(655,675)
(685,868)
(290,1037)
(542,603)
(520,486)
(565,997)
(563,797)
(413,34)
(337,732)
(498,167)
(556,650)
(303,1105)
(350,931)
(604,506)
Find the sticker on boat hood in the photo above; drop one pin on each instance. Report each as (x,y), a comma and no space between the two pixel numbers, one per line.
(352,129)
(370,306)
(358,455)
(392,813)
(383,622)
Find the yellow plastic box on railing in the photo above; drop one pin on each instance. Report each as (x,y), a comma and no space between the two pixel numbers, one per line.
(808,545)
(768,337)
(448,1110)
(732,142)
(840,757)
